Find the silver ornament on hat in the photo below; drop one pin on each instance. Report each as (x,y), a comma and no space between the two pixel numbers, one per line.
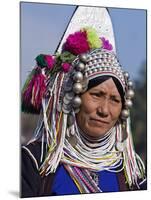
(69,95)
(78,77)
(125,114)
(126,74)
(80,66)
(83,58)
(128,103)
(130,83)
(66,108)
(76,101)
(66,101)
(130,94)
(70,120)
(77,88)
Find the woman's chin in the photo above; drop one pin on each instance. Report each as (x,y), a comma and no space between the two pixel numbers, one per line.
(96,132)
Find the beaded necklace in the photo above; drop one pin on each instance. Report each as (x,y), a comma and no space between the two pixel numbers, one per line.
(94,154)
(88,156)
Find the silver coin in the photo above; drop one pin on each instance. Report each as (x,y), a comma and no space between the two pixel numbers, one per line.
(69,95)
(66,101)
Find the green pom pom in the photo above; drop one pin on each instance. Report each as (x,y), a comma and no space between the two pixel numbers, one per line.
(67,57)
(41,61)
(92,38)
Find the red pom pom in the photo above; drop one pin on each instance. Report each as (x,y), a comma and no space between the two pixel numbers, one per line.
(77,43)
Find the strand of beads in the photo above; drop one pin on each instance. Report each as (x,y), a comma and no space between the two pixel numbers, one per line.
(129,94)
(128,97)
(78,78)
(87,183)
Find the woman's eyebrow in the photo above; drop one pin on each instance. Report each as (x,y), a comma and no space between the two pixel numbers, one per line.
(115,96)
(98,90)
(101,91)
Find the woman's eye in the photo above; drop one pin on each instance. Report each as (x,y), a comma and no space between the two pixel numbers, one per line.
(95,94)
(116,100)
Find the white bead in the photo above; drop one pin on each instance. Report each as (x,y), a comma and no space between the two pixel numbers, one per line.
(95,57)
(105,55)
(94,61)
(89,72)
(95,70)
(90,63)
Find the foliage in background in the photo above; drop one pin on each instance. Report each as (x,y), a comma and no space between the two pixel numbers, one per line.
(139,114)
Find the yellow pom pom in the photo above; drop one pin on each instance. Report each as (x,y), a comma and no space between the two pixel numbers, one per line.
(92,38)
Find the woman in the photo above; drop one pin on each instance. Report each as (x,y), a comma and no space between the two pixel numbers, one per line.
(83,142)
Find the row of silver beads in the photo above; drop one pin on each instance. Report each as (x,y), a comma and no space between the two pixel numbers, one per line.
(75,85)
(129,94)
(78,78)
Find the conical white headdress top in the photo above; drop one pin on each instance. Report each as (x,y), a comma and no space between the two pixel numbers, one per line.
(96,17)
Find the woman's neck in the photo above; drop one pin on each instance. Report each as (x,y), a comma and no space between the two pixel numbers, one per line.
(91,139)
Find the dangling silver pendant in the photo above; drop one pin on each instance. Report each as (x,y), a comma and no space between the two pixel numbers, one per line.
(71,120)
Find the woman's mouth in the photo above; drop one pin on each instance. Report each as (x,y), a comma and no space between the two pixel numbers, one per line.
(98,121)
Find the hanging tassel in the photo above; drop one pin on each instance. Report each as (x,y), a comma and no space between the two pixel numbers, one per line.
(33,92)
(134,167)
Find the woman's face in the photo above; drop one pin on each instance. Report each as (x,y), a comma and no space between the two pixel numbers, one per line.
(100,109)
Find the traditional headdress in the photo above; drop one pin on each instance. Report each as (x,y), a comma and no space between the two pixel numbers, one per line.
(53,90)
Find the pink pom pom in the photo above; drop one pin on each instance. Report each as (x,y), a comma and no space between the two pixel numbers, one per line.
(77,43)
(34,93)
(65,67)
(50,61)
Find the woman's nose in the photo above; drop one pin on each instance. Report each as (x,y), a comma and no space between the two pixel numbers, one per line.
(103,109)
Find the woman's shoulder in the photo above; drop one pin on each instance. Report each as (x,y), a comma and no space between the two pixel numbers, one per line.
(32,150)
(32,184)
